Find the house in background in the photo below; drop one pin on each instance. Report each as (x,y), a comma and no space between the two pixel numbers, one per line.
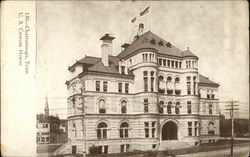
(43,133)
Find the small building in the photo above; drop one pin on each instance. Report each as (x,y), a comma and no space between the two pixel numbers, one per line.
(42,133)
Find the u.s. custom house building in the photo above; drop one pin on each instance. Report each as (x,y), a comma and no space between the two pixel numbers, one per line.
(150,96)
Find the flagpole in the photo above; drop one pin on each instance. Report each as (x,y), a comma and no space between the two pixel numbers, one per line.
(149,19)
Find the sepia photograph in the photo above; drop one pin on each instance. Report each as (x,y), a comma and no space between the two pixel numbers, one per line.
(139,78)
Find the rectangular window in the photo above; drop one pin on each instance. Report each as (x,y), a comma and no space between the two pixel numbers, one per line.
(122,148)
(154,146)
(146,129)
(164,62)
(189,128)
(194,88)
(145,105)
(153,129)
(189,107)
(160,61)
(105,149)
(145,79)
(105,86)
(97,86)
(122,69)
(208,94)
(99,149)
(47,139)
(126,88)
(172,64)
(43,139)
(153,132)
(212,94)
(168,63)
(196,129)
(152,81)
(188,86)
(179,64)
(83,87)
(120,87)
(176,64)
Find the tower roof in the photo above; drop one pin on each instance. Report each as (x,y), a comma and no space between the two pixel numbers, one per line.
(107,37)
(149,40)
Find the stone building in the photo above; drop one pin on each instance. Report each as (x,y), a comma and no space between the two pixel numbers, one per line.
(150,96)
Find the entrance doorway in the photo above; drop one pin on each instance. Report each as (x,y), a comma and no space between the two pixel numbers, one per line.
(169,131)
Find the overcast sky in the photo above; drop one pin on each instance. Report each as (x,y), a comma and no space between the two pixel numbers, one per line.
(217,32)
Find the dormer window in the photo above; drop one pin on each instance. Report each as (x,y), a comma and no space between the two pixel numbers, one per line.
(160,43)
(168,44)
(152,41)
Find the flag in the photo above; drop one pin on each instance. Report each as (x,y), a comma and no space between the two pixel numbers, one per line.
(133,20)
(144,11)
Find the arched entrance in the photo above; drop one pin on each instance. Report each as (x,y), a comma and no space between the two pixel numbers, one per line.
(169,131)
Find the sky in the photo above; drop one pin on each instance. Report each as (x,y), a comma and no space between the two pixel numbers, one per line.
(217,32)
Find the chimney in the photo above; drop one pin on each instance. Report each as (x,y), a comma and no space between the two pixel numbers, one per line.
(107,48)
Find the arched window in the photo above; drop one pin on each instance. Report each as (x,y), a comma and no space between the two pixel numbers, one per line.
(102,130)
(123,106)
(161,84)
(124,130)
(177,108)
(169,79)
(177,80)
(210,109)
(169,85)
(161,107)
(177,86)
(102,106)
(211,128)
(169,107)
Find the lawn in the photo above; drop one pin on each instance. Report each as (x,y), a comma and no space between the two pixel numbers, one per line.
(221,144)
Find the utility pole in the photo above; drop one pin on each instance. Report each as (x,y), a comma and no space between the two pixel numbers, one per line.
(83,126)
(232,108)
(158,106)
(83,123)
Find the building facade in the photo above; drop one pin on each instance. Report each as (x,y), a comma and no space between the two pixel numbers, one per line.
(42,133)
(148,97)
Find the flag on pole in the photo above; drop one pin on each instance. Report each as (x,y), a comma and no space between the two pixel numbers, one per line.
(133,20)
(144,11)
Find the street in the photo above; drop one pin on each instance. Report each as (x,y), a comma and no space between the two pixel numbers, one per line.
(239,151)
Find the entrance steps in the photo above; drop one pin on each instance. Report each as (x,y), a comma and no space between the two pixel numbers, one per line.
(64,149)
(173,144)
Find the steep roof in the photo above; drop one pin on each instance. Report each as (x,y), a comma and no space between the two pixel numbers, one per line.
(89,60)
(204,80)
(95,64)
(149,40)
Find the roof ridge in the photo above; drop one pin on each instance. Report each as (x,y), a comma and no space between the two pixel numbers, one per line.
(92,57)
